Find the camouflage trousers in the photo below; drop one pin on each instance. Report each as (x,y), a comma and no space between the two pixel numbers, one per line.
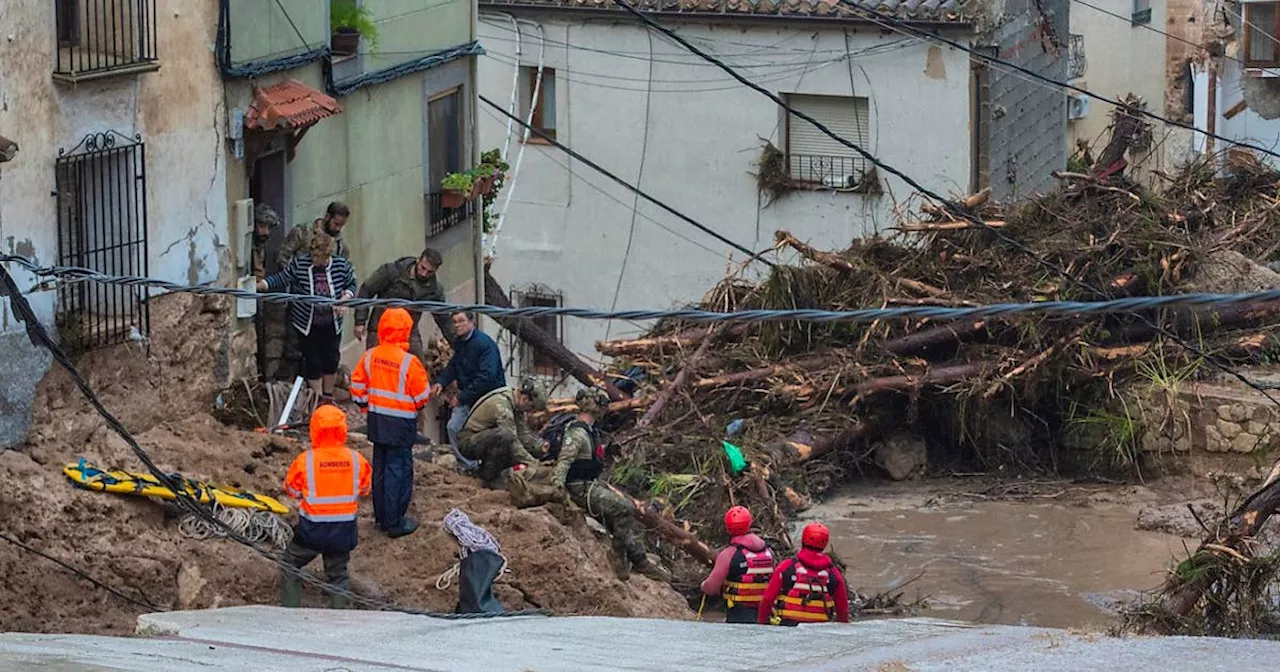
(496,449)
(614,512)
(279,355)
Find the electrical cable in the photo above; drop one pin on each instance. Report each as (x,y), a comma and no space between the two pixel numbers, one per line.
(1126,305)
(569,169)
(893,22)
(40,337)
(635,202)
(603,171)
(955,208)
(141,601)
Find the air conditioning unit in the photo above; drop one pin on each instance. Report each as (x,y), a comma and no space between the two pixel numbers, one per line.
(1077,106)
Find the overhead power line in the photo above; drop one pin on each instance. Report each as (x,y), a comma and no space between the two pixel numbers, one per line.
(1127,305)
(643,194)
(889,20)
(955,208)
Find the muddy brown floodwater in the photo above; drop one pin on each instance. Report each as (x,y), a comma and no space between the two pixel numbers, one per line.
(1035,562)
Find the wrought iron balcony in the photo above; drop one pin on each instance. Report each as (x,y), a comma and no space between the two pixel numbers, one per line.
(441,219)
(1077,64)
(100,38)
(835,172)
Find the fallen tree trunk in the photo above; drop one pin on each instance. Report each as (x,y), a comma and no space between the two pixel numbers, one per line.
(802,446)
(677,341)
(673,531)
(628,404)
(740,377)
(812,253)
(1201,321)
(537,337)
(942,375)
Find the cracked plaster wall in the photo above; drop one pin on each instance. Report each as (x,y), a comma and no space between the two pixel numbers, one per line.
(179,114)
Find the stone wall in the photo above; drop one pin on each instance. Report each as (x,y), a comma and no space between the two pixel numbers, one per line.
(1209,417)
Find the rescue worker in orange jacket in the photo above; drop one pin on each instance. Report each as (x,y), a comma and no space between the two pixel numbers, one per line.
(807,588)
(391,385)
(328,480)
(742,569)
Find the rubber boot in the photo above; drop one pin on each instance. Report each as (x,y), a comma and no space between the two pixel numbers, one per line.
(290,591)
(337,601)
(650,568)
(621,565)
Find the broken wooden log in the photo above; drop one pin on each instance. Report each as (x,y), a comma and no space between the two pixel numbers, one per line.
(924,227)
(628,404)
(665,395)
(677,341)
(676,533)
(1183,590)
(1201,321)
(949,334)
(828,259)
(537,337)
(803,363)
(802,446)
(942,375)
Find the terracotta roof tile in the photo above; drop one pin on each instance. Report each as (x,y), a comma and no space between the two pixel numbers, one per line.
(289,104)
(917,10)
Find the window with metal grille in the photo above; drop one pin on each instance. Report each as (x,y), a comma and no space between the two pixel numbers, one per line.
(815,158)
(100,38)
(445,154)
(533,360)
(102,226)
(1141,12)
(1077,64)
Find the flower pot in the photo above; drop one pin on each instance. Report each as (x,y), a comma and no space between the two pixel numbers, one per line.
(344,42)
(483,186)
(452,198)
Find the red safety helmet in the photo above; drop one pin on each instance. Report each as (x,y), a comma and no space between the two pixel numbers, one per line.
(815,536)
(737,521)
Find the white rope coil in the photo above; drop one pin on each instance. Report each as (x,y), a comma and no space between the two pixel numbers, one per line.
(257,526)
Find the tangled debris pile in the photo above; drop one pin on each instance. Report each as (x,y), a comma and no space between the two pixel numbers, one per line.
(824,400)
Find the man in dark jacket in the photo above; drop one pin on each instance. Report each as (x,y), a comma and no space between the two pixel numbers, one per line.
(411,279)
(477,368)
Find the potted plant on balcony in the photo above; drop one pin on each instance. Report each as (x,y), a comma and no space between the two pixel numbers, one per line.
(456,189)
(350,22)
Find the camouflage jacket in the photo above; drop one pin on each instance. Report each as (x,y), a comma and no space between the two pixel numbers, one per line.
(576,445)
(395,280)
(299,240)
(497,409)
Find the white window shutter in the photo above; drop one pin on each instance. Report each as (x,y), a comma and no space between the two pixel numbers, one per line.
(807,146)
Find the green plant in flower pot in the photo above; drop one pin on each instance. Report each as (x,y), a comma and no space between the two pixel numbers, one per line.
(492,159)
(456,189)
(350,22)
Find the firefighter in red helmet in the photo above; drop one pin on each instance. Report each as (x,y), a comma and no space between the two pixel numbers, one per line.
(742,569)
(807,588)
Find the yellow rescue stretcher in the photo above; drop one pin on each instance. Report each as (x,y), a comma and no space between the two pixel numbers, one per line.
(89,477)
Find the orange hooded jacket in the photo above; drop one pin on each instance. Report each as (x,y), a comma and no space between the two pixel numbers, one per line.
(329,478)
(391,384)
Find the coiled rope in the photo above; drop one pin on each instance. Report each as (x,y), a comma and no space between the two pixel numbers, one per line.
(470,538)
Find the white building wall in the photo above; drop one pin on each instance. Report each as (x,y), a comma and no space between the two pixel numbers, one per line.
(1246,126)
(178,112)
(690,136)
(1124,58)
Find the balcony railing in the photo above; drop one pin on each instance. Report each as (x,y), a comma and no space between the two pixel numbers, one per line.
(98,38)
(441,219)
(834,172)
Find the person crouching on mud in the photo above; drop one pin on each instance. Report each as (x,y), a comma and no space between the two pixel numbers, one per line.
(495,433)
(577,457)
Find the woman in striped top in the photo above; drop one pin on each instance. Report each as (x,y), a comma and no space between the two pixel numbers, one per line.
(317,272)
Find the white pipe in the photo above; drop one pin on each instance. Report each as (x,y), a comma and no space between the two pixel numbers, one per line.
(524,142)
(288,407)
(515,87)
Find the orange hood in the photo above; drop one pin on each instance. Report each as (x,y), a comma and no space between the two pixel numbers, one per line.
(394,327)
(328,427)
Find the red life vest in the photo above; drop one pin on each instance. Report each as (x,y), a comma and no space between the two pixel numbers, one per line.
(748,576)
(806,596)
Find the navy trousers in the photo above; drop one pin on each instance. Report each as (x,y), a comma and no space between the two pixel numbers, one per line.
(392,484)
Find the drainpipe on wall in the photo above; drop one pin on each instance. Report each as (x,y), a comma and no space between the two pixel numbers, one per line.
(477,229)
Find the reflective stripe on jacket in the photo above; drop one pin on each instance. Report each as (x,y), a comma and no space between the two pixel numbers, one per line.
(747,578)
(808,600)
(393,386)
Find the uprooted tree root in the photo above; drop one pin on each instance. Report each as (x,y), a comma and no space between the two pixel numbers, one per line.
(1240,599)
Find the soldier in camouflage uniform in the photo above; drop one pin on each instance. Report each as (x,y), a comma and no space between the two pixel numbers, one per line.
(495,432)
(281,355)
(579,461)
(409,279)
(265,220)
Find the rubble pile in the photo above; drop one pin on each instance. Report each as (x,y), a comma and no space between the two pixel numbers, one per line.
(823,401)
